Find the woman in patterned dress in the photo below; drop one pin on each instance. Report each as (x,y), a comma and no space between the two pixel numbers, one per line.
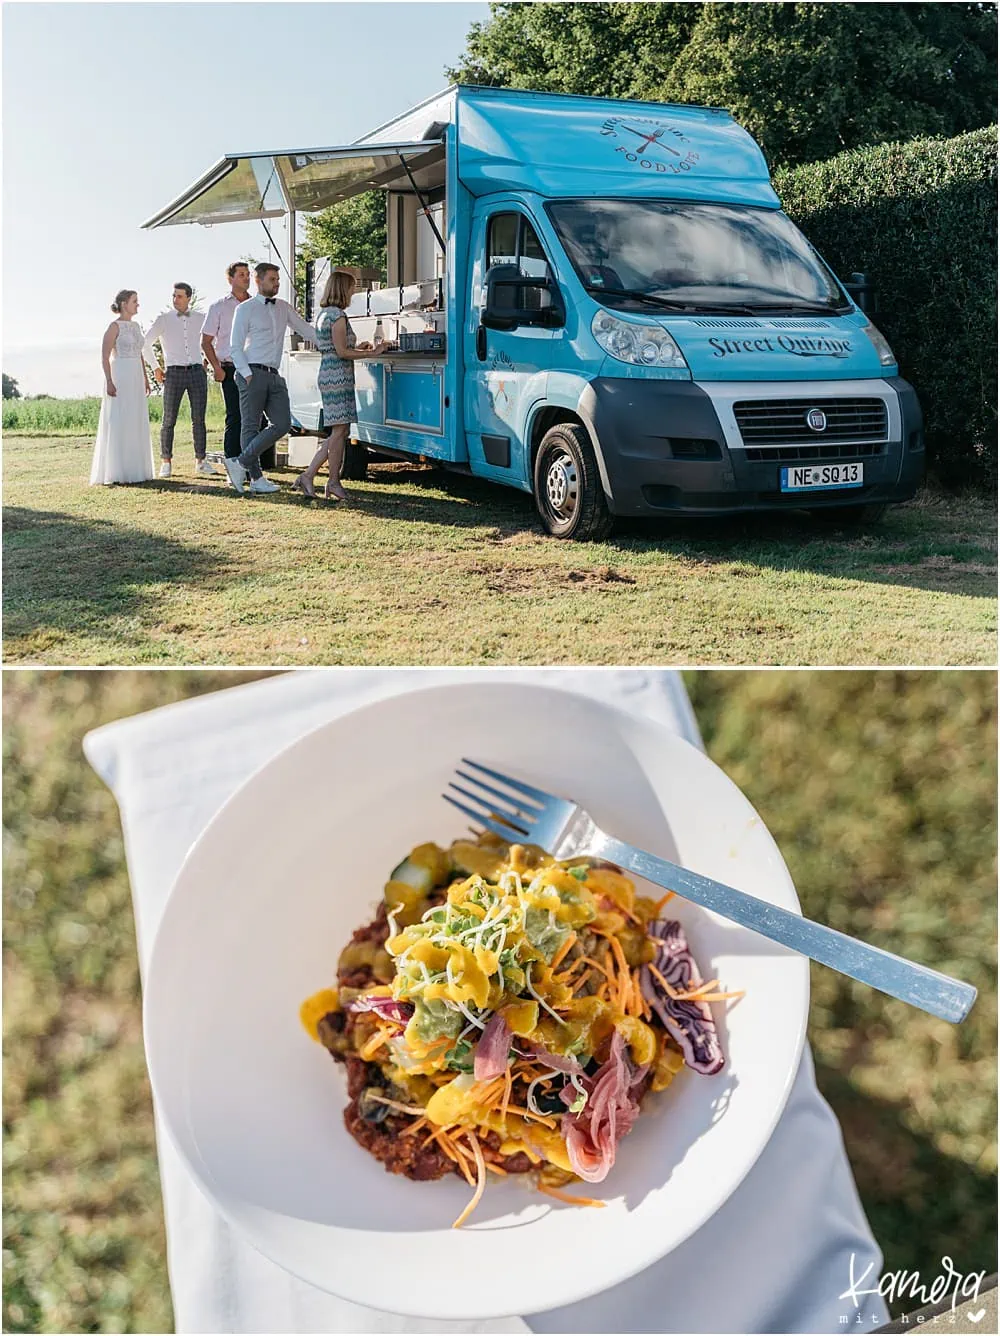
(340,351)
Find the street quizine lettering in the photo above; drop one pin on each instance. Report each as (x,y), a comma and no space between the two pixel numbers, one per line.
(798,345)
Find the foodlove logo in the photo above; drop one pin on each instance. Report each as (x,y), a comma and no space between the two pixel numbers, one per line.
(908,1287)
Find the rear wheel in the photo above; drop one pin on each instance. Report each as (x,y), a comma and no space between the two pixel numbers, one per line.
(851,516)
(355,468)
(568,491)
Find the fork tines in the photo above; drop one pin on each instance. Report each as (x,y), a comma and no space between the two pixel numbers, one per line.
(504,813)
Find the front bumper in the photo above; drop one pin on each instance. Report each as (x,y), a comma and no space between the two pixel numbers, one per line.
(646,430)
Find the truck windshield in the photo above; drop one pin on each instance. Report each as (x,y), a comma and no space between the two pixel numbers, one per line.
(701,256)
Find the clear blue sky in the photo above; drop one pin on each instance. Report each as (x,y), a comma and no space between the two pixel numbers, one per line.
(92,147)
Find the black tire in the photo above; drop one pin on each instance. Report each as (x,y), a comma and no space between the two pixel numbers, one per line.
(852,517)
(355,467)
(568,491)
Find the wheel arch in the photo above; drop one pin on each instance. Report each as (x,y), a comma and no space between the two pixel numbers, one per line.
(548,415)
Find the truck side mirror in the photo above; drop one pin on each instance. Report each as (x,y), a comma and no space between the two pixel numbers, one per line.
(513,300)
(862,292)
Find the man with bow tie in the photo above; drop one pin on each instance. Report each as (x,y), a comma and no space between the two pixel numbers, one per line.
(179,334)
(257,342)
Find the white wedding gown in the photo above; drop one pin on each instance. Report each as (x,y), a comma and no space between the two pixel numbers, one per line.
(123,452)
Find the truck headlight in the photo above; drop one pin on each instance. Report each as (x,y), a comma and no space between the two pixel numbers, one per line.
(880,343)
(642,345)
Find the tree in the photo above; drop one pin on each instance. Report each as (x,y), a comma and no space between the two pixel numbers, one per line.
(603,49)
(10,390)
(807,80)
(810,80)
(350,233)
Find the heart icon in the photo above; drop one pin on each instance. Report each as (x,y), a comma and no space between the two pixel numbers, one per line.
(976,1317)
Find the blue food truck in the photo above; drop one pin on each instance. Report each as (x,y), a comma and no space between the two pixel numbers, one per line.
(598,302)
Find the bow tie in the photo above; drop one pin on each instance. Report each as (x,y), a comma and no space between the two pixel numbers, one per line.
(269,301)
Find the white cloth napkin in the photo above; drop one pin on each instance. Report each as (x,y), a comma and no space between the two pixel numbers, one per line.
(775,1258)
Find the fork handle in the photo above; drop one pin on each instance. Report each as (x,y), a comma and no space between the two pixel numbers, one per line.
(921,987)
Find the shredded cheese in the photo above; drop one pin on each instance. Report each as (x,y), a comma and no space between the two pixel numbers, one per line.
(477,1151)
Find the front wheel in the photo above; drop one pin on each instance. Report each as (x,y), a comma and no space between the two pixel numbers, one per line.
(568,491)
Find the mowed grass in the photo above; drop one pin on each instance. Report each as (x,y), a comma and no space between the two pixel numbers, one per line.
(879,788)
(423,567)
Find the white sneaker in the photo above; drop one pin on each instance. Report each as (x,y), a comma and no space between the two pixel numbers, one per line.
(165,469)
(263,485)
(204,466)
(237,474)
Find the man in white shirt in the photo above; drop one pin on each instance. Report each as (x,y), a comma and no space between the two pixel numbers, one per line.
(216,344)
(257,340)
(179,334)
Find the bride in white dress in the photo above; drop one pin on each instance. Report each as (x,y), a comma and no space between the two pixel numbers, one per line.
(123,452)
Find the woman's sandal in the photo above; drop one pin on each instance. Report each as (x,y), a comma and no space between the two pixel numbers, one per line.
(300,485)
(332,496)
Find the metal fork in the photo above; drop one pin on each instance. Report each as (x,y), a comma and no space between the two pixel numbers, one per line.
(522,813)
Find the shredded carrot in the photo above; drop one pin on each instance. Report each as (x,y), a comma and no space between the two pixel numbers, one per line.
(663,900)
(373,1045)
(535,1117)
(480,1184)
(627,912)
(482,1092)
(455,1152)
(508,1087)
(624,976)
(589,960)
(561,953)
(582,980)
(696,995)
(566,1196)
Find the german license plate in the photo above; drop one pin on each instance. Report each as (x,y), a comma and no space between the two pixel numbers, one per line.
(817,477)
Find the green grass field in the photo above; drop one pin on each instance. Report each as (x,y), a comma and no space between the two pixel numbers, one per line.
(69,417)
(879,788)
(423,567)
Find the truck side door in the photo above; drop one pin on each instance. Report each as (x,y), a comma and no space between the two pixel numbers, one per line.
(505,370)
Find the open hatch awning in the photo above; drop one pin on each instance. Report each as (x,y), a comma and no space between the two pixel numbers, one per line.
(242,187)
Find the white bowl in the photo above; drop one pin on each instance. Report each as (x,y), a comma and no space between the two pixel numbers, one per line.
(255,924)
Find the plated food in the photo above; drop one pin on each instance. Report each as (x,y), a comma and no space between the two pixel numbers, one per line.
(503,1013)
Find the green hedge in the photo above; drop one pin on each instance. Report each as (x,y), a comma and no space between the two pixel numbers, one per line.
(920,218)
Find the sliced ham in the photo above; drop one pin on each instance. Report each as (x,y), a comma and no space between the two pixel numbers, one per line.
(689,1022)
(492,1050)
(592,1135)
(558,1062)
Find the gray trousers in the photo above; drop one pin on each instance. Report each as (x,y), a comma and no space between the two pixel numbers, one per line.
(266,393)
(178,381)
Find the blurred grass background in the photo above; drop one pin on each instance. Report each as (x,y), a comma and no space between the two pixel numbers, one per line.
(880,788)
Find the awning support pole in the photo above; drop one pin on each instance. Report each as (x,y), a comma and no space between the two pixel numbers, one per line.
(291,257)
(423,204)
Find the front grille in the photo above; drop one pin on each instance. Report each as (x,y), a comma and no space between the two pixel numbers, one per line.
(792,454)
(783,421)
